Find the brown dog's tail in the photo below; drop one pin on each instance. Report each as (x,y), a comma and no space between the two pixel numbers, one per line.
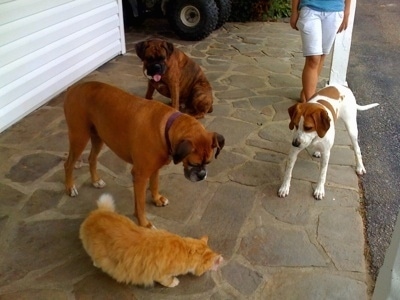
(106,202)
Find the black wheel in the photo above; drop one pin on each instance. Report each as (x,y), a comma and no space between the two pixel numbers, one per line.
(224,11)
(192,20)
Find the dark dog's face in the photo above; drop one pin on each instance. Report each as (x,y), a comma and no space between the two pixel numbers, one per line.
(154,54)
(197,153)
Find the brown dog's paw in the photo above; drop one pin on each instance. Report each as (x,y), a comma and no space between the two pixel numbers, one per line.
(150,226)
(72,192)
(161,201)
(99,184)
(78,164)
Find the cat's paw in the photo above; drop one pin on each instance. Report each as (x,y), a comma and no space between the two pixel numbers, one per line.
(175,282)
(169,281)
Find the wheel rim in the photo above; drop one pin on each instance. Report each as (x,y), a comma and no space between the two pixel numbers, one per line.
(190,16)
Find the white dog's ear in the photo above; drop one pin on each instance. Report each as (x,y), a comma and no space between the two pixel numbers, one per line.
(293,115)
(322,122)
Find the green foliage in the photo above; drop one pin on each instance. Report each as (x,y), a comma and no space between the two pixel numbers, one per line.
(259,10)
(279,9)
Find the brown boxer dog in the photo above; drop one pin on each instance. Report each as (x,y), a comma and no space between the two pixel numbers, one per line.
(174,75)
(146,134)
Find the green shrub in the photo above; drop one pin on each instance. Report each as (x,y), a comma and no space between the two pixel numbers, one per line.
(279,9)
(259,10)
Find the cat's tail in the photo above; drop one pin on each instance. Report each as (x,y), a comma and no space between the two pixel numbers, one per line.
(106,202)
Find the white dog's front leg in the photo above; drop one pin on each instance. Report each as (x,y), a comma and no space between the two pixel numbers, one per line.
(292,157)
(319,192)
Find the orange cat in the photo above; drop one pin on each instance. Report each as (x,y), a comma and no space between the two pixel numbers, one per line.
(139,255)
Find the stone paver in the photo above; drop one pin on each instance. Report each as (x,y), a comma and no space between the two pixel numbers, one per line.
(292,248)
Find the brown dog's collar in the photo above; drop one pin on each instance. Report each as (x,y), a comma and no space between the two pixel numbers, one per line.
(171,120)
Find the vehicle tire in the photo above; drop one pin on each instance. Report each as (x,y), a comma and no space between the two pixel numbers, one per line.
(192,20)
(224,11)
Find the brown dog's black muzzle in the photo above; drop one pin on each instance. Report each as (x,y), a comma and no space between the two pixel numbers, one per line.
(156,68)
(195,173)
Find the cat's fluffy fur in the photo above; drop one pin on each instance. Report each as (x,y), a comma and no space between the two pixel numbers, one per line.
(139,255)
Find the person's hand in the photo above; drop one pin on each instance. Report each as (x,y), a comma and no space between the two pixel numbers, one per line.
(345,23)
(293,19)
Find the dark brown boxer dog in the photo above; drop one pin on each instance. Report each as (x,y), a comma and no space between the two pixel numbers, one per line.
(146,134)
(174,75)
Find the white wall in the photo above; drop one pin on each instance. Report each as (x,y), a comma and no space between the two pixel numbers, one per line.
(387,285)
(341,51)
(46,45)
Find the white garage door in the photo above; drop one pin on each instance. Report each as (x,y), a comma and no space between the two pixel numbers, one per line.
(46,45)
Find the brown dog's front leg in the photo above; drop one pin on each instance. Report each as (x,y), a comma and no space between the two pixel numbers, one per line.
(77,145)
(159,200)
(97,144)
(139,186)
(69,180)
(150,91)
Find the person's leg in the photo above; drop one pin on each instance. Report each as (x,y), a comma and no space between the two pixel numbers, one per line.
(314,63)
(309,25)
(330,25)
(321,64)
(312,69)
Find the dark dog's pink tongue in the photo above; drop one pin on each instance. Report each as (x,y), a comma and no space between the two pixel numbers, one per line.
(157,77)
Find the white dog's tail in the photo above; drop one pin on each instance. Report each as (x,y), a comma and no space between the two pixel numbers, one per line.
(368,106)
(106,202)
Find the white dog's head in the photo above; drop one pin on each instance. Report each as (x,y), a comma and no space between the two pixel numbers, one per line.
(309,120)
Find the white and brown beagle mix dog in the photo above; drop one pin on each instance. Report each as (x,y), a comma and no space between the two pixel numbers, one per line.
(314,124)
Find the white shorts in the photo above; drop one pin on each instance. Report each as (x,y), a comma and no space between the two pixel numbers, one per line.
(318,30)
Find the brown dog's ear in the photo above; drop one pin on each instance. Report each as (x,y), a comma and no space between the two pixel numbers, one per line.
(218,142)
(183,149)
(169,47)
(292,114)
(140,49)
(322,122)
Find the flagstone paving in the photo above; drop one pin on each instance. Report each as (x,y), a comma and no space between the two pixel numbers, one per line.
(292,248)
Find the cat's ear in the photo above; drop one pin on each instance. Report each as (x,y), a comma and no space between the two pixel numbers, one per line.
(217,262)
(204,239)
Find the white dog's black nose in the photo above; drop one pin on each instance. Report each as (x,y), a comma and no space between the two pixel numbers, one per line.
(296,143)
